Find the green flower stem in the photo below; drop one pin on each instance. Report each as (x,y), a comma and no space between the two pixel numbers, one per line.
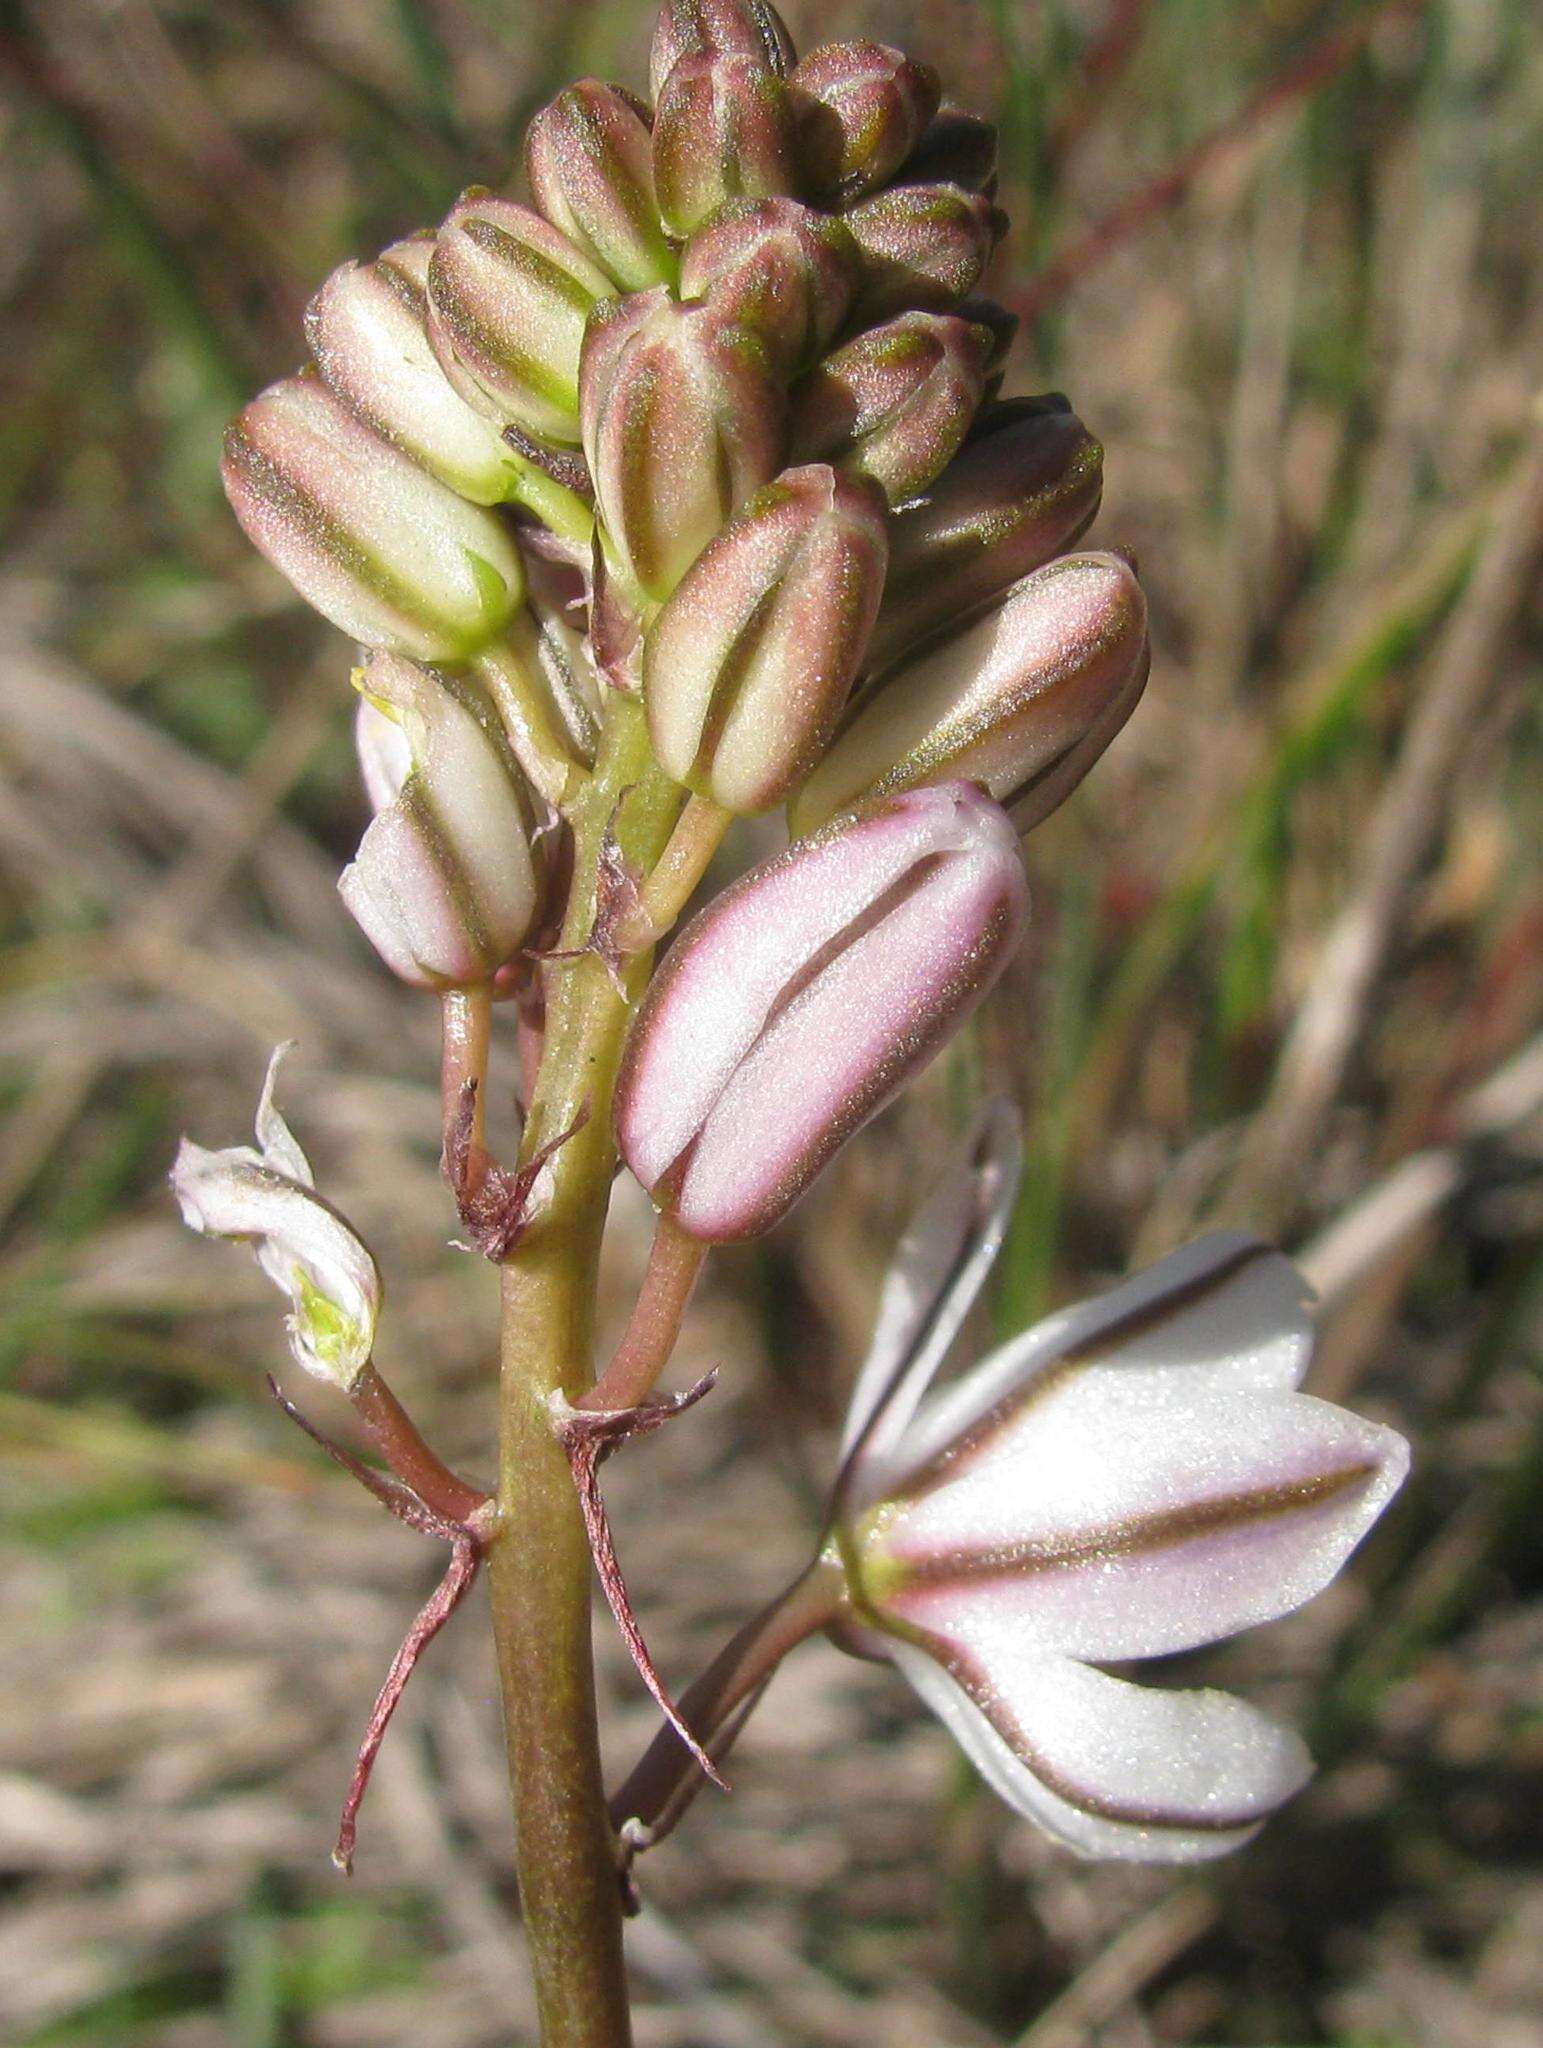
(539,1566)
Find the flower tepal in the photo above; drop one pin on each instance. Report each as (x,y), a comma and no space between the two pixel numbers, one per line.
(268,1198)
(1134,1476)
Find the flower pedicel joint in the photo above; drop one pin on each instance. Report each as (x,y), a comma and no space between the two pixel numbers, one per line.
(674,489)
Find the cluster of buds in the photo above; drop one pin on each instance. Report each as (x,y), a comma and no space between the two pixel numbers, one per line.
(697,449)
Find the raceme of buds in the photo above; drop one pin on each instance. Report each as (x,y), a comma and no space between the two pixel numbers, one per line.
(1023,702)
(1132,1477)
(957,148)
(268,1198)
(385,551)
(443,885)
(895,402)
(368,330)
(682,424)
(922,245)
(859,108)
(508,299)
(777,268)
(721,131)
(717,28)
(799,1002)
(589,163)
(747,666)
(1025,485)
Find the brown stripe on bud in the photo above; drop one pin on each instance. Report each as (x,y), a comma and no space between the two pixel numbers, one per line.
(721,131)
(859,109)
(922,245)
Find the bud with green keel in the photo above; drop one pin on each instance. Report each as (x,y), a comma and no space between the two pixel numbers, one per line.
(895,402)
(718,28)
(682,424)
(721,131)
(589,163)
(1025,485)
(1023,702)
(388,553)
(779,269)
(508,299)
(859,109)
(803,998)
(922,245)
(444,885)
(746,668)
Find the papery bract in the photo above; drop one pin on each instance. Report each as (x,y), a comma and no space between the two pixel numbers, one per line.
(1025,485)
(385,551)
(1024,701)
(1133,1476)
(894,403)
(443,884)
(589,163)
(859,110)
(747,666)
(268,1198)
(805,996)
(508,299)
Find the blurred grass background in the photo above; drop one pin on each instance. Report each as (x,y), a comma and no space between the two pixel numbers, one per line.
(1284,971)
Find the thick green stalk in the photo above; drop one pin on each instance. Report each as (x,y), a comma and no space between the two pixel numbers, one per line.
(539,1567)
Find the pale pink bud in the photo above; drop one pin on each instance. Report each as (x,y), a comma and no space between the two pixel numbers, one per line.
(721,131)
(508,299)
(1131,1477)
(717,28)
(368,330)
(746,668)
(781,270)
(895,402)
(804,998)
(682,424)
(443,885)
(589,161)
(268,1198)
(922,245)
(1025,485)
(1023,702)
(382,549)
(859,108)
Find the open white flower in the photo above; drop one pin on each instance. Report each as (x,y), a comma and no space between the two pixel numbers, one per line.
(268,1197)
(1131,1477)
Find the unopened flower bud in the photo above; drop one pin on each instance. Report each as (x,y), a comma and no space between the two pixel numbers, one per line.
(805,996)
(267,1198)
(589,161)
(508,299)
(922,245)
(1023,702)
(717,28)
(368,330)
(859,109)
(746,668)
(777,268)
(382,549)
(721,131)
(895,402)
(682,424)
(1024,486)
(443,885)
(956,148)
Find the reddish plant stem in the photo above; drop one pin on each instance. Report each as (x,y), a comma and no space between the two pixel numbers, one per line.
(396,1436)
(674,1261)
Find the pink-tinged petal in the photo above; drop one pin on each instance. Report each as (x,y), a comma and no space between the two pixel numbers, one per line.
(798,1003)
(939,1269)
(1108,1768)
(1229,1311)
(1122,1516)
(385,754)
